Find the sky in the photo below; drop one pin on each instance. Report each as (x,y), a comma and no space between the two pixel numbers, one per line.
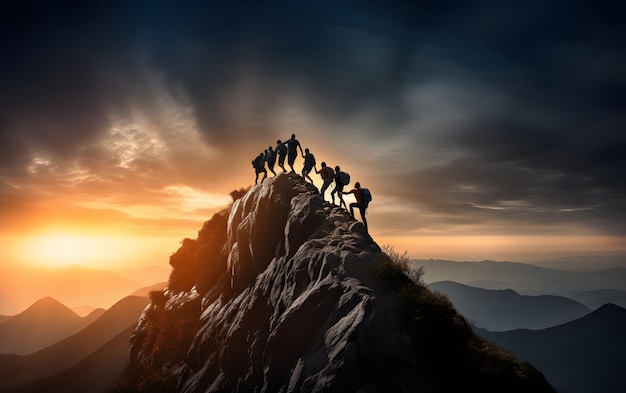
(484,129)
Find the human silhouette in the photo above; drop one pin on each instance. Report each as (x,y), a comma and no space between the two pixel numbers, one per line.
(327,174)
(292,150)
(360,203)
(270,158)
(338,188)
(309,164)
(259,167)
(281,152)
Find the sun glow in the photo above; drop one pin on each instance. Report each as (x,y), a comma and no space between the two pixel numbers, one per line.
(59,249)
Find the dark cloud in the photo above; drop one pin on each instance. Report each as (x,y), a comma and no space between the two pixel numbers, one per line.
(514,110)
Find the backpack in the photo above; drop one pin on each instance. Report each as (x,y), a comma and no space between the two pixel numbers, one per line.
(344,178)
(258,162)
(330,172)
(366,195)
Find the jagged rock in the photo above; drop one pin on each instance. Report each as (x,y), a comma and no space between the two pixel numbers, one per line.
(297,306)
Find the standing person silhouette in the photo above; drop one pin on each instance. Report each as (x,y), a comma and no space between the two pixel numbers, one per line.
(270,158)
(309,164)
(338,188)
(259,167)
(360,203)
(281,152)
(292,145)
(327,174)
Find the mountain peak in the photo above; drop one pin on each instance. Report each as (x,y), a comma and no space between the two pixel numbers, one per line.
(49,305)
(283,292)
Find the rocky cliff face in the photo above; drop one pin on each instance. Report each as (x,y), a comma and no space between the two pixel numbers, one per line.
(280,293)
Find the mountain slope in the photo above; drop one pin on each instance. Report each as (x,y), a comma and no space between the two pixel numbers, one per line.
(585,355)
(95,373)
(499,310)
(19,370)
(42,324)
(286,292)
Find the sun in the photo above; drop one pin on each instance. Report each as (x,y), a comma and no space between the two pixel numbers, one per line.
(101,251)
(60,249)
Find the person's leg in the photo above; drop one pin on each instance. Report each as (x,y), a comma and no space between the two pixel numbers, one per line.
(362,210)
(352,206)
(271,166)
(341,201)
(291,159)
(333,192)
(324,187)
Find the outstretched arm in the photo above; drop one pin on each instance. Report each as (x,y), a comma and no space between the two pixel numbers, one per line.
(300,146)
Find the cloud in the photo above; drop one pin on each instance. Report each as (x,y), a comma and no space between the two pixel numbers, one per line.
(508,114)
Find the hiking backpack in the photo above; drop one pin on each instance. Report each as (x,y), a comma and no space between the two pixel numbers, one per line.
(366,195)
(344,178)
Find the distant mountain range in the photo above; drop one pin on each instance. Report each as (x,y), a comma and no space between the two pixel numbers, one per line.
(42,324)
(16,370)
(581,356)
(523,278)
(72,284)
(499,310)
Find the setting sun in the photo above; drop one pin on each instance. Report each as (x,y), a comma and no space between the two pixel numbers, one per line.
(59,249)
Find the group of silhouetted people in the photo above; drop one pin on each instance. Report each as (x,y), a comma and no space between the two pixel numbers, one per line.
(289,149)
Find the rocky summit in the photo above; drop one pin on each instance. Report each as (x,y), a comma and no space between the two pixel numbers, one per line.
(284,292)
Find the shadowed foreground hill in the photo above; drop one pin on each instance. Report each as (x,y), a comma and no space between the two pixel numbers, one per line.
(585,355)
(284,292)
(95,373)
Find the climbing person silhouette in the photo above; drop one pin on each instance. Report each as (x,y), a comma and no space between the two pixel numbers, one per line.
(281,152)
(360,203)
(259,167)
(309,164)
(327,174)
(292,145)
(338,188)
(270,158)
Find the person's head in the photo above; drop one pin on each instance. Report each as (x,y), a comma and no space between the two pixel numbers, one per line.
(323,164)
(306,150)
(357,185)
(261,155)
(278,142)
(265,151)
(337,168)
(293,136)
(271,148)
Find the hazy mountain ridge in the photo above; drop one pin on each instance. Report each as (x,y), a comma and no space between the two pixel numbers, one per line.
(18,370)
(521,277)
(72,284)
(500,310)
(585,355)
(284,292)
(42,324)
(600,297)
